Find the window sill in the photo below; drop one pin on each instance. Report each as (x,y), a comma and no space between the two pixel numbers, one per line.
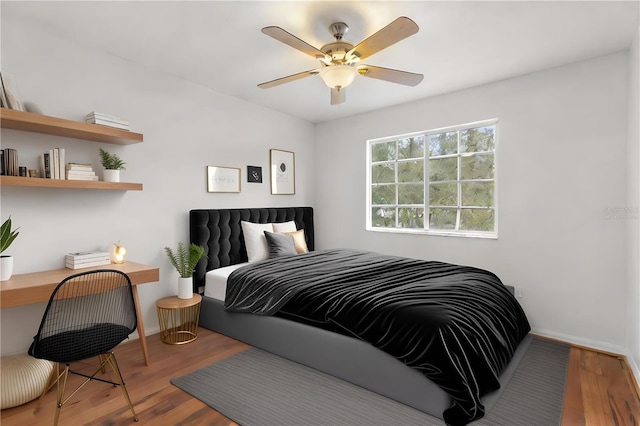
(489,236)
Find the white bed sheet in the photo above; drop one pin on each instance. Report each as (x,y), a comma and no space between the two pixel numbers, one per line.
(215,284)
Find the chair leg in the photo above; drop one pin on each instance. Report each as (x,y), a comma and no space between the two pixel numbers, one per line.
(53,379)
(60,390)
(111,358)
(102,363)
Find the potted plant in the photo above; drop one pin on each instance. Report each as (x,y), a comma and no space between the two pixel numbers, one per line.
(185,261)
(7,235)
(112,165)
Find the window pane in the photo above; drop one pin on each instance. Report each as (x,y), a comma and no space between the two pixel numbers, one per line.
(411,171)
(443,194)
(443,169)
(477,166)
(383,173)
(443,144)
(411,148)
(411,194)
(383,194)
(411,218)
(442,219)
(477,219)
(383,217)
(383,151)
(477,194)
(478,139)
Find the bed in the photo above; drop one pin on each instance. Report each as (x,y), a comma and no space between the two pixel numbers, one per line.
(327,349)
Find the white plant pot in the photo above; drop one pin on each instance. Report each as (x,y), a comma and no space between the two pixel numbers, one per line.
(6,267)
(185,288)
(111,175)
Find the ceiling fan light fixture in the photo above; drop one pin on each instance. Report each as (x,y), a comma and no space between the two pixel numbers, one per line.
(338,76)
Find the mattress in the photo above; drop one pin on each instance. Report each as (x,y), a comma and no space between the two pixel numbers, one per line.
(216,281)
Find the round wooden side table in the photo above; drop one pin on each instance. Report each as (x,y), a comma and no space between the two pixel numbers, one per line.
(178,319)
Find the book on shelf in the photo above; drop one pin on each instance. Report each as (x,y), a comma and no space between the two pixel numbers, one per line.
(10,162)
(3,94)
(79,167)
(87,264)
(80,171)
(110,124)
(72,261)
(61,162)
(45,164)
(98,115)
(8,92)
(82,177)
(90,254)
(53,164)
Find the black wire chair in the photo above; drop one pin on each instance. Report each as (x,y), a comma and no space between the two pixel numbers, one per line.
(88,315)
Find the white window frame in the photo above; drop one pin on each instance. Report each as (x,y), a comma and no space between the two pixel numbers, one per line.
(455,233)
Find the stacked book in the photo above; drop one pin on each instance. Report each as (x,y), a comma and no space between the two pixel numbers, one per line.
(107,120)
(80,171)
(86,259)
(9,159)
(52,164)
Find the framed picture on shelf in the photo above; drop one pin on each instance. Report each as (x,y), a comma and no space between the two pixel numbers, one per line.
(223,179)
(283,172)
(254,174)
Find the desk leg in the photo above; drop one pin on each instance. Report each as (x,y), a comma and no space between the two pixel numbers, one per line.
(143,337)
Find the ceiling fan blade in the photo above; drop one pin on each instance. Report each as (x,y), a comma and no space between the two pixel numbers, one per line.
(399,29)
(293,41)
(338,96)
(388,74)
(287,79)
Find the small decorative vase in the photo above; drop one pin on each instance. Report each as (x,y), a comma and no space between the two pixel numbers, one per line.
(6,267)
(185,288)
(111,175)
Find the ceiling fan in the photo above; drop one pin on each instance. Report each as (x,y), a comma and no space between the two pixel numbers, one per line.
(339,60)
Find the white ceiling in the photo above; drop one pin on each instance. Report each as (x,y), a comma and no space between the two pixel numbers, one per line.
(218,44)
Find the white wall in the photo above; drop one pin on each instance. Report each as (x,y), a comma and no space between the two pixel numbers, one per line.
(185,127)
(561,163)
(633,204)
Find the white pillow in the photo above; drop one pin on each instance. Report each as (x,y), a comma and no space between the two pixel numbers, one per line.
(255,241)
(284,227)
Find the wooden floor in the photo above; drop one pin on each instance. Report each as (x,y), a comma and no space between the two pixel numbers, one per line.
(600,390)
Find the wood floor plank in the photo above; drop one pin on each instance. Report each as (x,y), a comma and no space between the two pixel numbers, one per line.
(598,390)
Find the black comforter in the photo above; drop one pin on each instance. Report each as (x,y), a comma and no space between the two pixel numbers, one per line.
(458,325)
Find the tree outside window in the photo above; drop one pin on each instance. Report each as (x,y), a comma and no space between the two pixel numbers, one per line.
(440,181)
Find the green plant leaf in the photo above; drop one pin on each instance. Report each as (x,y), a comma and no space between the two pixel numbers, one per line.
(185,260)
(7,236)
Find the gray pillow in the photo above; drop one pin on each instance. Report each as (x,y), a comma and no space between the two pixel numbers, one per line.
(280,244)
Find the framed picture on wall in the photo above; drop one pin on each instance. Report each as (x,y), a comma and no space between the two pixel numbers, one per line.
(283,172)
(254,174)
(223,179)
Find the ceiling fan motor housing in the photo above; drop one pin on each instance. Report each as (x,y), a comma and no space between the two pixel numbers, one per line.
(337,51)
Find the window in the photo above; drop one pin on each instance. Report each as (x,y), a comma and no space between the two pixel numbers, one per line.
(449,173)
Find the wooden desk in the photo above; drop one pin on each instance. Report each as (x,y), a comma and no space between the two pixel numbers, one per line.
(36,287)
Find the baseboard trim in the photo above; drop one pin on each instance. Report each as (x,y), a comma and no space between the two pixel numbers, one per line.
(603,347)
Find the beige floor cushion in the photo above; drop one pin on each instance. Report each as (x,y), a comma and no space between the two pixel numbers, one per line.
(22,379)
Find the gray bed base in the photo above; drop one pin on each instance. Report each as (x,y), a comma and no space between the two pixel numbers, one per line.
(341,356)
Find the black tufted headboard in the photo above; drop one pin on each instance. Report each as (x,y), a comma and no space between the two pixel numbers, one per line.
(220,233)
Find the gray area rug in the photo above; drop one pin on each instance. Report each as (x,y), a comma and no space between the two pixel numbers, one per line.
(257,388)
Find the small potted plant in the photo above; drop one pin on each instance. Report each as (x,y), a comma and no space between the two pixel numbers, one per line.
(112,165)
(185,261)
(7,235)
